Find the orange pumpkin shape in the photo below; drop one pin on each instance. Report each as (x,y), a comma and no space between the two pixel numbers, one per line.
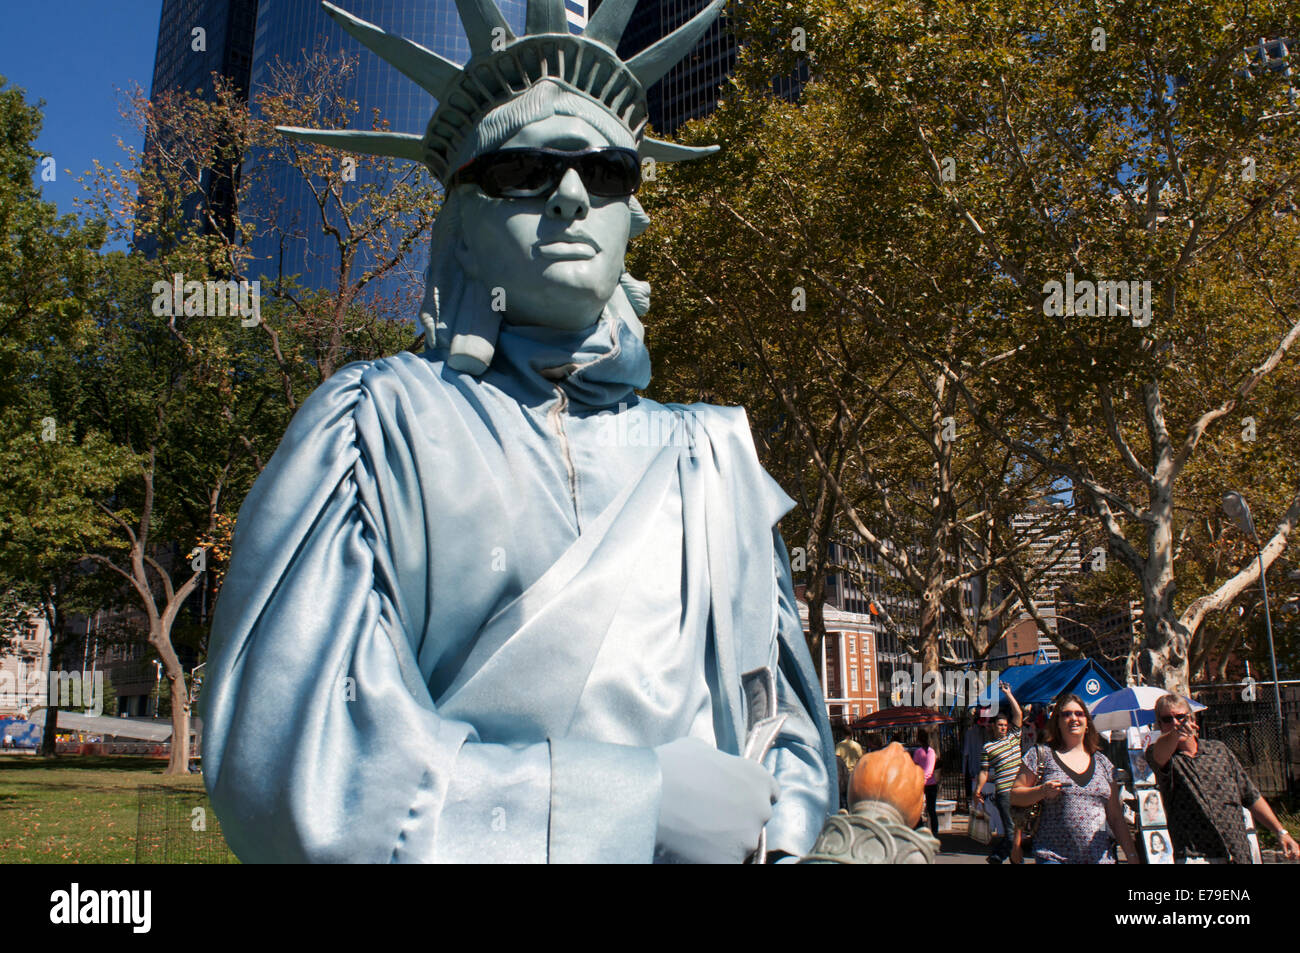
(890,775)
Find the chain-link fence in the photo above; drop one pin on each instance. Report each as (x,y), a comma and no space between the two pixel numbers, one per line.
(1251,731)
(176,825)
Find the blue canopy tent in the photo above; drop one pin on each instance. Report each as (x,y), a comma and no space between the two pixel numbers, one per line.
(25,734)
(1040,684)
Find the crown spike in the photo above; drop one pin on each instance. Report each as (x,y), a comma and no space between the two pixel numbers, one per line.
(503,66)
(545,16)
(481,18)
(609,21)
(650,65)
(432,72)
(662,151)
(398,145)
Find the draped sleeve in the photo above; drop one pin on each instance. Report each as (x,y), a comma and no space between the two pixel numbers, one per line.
(802,759)
(322,742)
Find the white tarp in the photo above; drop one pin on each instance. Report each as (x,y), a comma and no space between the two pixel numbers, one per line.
(145,729)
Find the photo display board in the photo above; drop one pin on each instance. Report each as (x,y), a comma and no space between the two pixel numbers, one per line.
(1152,821)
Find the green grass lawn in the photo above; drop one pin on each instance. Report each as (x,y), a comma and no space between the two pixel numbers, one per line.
(81,809)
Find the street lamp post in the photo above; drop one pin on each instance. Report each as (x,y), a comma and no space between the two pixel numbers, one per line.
(157,694)
(1235,505)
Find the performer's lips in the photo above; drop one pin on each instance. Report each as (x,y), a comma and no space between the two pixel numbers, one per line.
(569,248)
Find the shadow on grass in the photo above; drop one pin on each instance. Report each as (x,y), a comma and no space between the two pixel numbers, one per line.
(79,762)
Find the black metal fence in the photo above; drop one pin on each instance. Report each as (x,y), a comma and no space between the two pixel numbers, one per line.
(952,785)
(176,825)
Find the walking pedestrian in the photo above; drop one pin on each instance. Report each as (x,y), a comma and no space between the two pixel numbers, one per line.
(1001,761)
(1204,788)
(928,758)
(1075,783)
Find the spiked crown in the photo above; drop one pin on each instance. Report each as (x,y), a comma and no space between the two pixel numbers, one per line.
(503,66)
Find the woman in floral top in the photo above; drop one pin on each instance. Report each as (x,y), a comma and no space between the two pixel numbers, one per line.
(1078,790)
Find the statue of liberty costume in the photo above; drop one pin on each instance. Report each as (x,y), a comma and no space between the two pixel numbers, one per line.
(475,589)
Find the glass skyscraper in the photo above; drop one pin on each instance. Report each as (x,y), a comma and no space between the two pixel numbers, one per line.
(227,41)
(197,38)
(690,89)
(244,40)
(287,32)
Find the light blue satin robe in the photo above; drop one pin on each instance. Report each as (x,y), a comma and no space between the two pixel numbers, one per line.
(461,612)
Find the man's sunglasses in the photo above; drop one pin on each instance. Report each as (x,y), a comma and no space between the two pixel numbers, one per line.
(610,172)
(1170,719)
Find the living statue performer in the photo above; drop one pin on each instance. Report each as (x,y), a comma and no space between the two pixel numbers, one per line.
(486,603)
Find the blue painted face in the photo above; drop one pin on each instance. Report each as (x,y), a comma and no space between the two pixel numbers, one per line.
(556,258)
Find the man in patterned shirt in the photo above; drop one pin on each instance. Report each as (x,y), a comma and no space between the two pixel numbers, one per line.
(1204,788)
(1001,761)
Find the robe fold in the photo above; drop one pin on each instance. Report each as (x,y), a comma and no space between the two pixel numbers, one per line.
(461,612)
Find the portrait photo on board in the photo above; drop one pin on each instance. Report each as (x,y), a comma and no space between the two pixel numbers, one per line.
(1153,810)
(1159,849)
(1140,770)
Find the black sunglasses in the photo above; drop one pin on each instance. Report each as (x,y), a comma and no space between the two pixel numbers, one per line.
(609,171)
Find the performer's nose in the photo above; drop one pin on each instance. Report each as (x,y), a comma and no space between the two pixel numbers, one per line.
(570,199)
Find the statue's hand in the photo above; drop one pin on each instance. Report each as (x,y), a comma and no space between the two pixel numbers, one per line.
(713,805)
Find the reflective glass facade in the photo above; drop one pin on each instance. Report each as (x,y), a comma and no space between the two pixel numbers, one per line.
(287,30)
(690,89)
(197,38)
(227,41)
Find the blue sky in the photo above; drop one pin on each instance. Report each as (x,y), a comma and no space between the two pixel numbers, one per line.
(80,56)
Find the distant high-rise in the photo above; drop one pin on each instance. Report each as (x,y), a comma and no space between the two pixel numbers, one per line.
(577,14)
(1105,634)
(197,38)
(1055,559)
(287,32)
(690,89)
(873,598)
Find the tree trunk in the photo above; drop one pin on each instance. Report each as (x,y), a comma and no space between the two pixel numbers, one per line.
(53,621)
(930,625)
(179,762)
(1163,662)
(814,595)
(160,638)
(48,745)
(816,632)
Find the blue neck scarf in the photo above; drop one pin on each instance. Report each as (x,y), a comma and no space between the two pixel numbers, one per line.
(597,367)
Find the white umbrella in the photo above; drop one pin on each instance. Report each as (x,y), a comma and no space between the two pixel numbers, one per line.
(1130,707)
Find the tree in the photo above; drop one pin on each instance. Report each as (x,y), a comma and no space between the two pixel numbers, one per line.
(1108,196)
(1139,146)
(373,210)
(50,468)
(197,391)
(800,274)
(186,398)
